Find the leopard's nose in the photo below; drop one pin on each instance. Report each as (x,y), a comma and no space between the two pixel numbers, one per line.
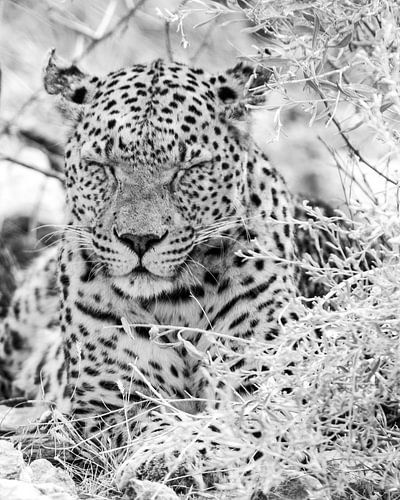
(140,243)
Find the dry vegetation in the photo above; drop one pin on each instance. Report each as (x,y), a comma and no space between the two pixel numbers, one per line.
(328,410)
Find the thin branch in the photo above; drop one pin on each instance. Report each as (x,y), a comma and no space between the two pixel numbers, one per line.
(168,45)
(31,99)
(48,173)
(53,151)
(347,141)
(172,17)
(205,42)
(366,190)
(106,20)
(43,141)
(72,25)
(358,155)
(124,19)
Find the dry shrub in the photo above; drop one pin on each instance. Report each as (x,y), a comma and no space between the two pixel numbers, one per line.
(324,422)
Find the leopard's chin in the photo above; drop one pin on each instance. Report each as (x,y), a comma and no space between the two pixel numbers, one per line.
(142,284)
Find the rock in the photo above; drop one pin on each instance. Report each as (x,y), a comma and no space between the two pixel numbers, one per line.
(19,490)
(11,489)
(135,489)
(11,461)
(40,481)
(43,472)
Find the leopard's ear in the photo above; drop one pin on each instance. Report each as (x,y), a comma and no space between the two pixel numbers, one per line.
(67,80)
(241,87)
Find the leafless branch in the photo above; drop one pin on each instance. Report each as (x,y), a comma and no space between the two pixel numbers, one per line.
(54,151)
(347,141)
(167,30)
(205,42)
(364,187)
(168,46)
(122,21)
(48,173)
(39,140)
(357,153)
(72,25)
(107,18)
(42,140)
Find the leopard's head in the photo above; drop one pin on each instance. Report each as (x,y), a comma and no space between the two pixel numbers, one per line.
(154,164)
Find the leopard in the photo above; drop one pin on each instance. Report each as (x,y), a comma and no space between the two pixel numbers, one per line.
(168,202)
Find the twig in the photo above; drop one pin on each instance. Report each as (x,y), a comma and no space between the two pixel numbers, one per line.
(106,20)
(167,30)
(48,173)
(131,12)
(168,45)
(357,153)
(347,141)
(205,42)
(42,140)
(74,26)
(31,99)
(368,192)
(53,151)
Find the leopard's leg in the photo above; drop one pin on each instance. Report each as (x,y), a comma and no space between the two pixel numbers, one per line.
(30,341)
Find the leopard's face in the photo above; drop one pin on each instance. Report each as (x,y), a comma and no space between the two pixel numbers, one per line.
(153,168)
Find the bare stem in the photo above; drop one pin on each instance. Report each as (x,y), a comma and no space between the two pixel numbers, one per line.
(48,173)
(124,19)
(348,143)
(168,45)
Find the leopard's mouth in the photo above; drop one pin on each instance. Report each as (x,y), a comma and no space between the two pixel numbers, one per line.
(143,272)
(142,283)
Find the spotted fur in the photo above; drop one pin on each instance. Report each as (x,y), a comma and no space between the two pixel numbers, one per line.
(166,199)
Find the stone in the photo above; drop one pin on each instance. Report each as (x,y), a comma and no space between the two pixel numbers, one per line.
(11,461)
(43,472)
(11,489)
(39,481)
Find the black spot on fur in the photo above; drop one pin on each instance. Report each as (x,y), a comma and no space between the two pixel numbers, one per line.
(226,94)
(79,95)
